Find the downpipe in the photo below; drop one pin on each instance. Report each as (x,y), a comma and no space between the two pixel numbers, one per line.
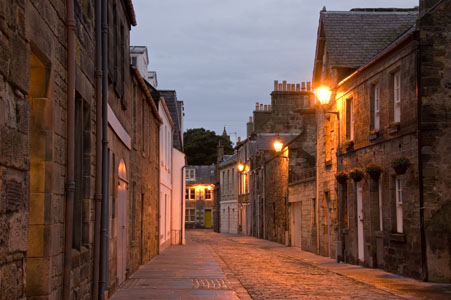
(182,208)
(70,181)
(98,184)
(104,238)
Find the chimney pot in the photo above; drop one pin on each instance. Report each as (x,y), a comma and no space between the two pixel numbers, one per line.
(284,85)
(261,107)
(303,86)
(256,106)
(309,88)
(250,119)
(280,87)
(276,85)
(298,87)
(239,139)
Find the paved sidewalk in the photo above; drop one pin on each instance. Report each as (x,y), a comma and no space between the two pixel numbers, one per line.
(182,272)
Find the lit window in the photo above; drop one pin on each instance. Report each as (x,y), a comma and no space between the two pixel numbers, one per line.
(192,193)
(207,194)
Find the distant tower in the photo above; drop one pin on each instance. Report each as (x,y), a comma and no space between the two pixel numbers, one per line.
(225,135)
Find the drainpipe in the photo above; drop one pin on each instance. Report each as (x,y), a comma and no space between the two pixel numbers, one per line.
(105,157)
(420,160)
(98,187)
(70,183)
(182,232)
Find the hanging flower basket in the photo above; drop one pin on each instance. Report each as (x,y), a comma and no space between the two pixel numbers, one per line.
(341,177)
(356,174)
(400,165)
(374,171)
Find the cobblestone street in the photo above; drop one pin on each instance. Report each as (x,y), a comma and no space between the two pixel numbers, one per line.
(219,266)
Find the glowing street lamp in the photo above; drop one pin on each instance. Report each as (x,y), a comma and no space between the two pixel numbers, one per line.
(240,167)
(323,94)
(278,145)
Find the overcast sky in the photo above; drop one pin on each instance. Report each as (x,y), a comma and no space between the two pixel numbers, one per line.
(222,56)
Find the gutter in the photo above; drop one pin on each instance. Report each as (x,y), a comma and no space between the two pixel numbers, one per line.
(98,184)
(420,159)
(70,180)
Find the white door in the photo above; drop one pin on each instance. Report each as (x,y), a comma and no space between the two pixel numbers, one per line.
(121,231)
(360,237)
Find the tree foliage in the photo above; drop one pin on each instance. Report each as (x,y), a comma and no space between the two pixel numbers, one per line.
(200,146)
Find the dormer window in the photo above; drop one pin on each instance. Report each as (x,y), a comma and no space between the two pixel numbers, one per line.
(190,174)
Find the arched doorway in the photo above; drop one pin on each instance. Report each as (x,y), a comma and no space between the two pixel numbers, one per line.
(122,222)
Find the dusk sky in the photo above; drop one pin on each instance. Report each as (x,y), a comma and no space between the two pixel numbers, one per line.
(223,56)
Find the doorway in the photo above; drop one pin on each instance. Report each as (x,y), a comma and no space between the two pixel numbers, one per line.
(122,223)
(360,235)
(296,210)
(208,218)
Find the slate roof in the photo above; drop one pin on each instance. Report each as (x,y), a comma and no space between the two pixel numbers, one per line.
(204,174)
(175,109)
(228,159)
(354,37)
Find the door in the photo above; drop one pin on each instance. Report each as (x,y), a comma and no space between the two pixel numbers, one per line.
(296,224)
(208,218)
(360,236)
(121,225)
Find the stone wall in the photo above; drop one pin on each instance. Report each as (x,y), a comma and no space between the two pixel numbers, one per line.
(143,207)
(395,251)
(434,35)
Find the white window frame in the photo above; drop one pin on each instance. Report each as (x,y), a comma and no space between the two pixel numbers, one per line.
(190,174)
(397,96)
(399,204)
(377,94)
(190,212)
(208,192)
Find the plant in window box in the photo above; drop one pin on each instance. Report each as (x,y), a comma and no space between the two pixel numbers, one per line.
(400,165)
(374,171)
(356,174)
(374,134)
(349,144)
(342,177)
(393,127)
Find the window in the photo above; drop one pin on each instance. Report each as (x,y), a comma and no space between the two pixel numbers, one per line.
(397,96)
(399,202)
(186,194)
(207,194)
(190,174)
(190,215)
(349,120)
(82,172)
(375,107)
(192,193)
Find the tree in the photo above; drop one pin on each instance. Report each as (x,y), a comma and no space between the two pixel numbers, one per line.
(200,146)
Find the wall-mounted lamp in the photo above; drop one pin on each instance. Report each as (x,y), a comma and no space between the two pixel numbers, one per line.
(277,145)
(323,94)
(240,167)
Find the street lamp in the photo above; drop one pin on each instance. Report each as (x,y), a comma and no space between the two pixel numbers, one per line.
(323,94)
(240,167)
(278,145)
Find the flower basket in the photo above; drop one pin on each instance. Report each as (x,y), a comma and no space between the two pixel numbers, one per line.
(374,134)
(342,177)
(400,165)
(356,174)
(374,171)
(393,127)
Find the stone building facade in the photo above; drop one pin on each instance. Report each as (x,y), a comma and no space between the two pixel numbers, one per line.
(383,103)
(228,199)
(41,257)
(199,196)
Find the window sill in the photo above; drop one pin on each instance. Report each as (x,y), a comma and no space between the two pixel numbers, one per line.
(397,237)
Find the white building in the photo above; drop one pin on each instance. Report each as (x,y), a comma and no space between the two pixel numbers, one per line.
(228,203)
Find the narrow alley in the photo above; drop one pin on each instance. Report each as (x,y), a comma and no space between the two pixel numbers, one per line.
(219,266)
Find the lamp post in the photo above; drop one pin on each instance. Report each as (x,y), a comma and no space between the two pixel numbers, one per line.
(324,94)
